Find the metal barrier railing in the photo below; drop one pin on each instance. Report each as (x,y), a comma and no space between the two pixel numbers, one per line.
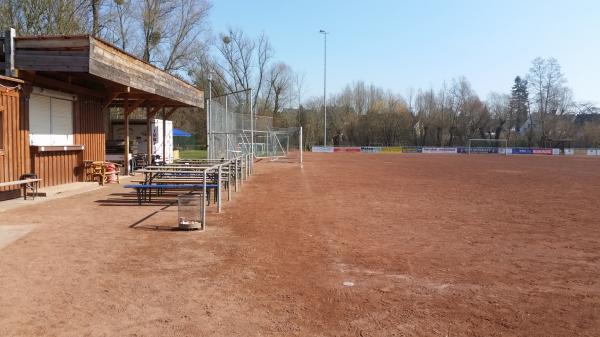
(235,172)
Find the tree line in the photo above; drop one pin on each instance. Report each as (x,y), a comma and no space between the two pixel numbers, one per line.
(175,35)
(538,111)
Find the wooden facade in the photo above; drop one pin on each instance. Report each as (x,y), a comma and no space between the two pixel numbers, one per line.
(98,76)
(59,166)
(54,165)
(14,153)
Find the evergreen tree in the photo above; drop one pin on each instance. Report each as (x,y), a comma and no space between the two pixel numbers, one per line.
(519,102)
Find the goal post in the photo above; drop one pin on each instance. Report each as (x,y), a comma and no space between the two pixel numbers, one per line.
(482,145)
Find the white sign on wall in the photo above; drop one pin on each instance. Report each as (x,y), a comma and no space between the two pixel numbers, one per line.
(322,149)
(438,150)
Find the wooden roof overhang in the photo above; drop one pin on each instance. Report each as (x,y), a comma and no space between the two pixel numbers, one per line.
(86,65)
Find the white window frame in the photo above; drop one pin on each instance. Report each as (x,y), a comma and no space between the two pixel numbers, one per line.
(50,138)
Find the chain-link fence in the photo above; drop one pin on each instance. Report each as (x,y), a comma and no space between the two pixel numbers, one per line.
(232,132)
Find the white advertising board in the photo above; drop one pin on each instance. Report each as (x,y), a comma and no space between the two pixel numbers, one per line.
(322,149)
(440,150)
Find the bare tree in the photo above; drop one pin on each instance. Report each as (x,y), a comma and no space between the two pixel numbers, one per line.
(120,18)
(44,17)
(183,40)
(242,63)
(280,91)
(547,85)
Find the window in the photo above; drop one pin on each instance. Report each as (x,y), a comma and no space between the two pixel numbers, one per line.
(50,118)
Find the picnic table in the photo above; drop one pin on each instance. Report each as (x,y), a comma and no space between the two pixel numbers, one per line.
(180,176)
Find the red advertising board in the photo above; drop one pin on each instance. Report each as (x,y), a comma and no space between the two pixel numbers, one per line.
(542,151)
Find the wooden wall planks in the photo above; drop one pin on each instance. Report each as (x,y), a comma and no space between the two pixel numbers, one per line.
(14,157)
(56,167)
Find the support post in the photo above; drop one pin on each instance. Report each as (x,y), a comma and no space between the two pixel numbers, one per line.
(243,169)
(229,181)
(287,144)
(301,150)
(204,200)
(252,124)
(9,52)
(219,188)
(126,137)
(208,112)
(227,131)
(148,138)
(248,159)
(236,173)
(164,137)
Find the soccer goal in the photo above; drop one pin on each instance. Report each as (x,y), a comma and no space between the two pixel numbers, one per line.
(476,146)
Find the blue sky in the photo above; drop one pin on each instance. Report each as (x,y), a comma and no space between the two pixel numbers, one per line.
(419,44)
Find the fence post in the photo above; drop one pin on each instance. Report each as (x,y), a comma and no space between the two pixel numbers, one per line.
(229,181)
(204,200)
(219,189)
(236,173)
(301,149)
(243,173)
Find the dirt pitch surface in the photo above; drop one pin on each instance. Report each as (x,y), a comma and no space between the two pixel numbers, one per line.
(433,245)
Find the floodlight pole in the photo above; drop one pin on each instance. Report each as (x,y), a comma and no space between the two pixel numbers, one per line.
(208,112)
(301,148)
(324,84)
(252,123)
(226,130)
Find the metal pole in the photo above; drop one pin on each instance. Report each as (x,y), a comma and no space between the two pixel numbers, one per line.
(236,174)
(325,84)
(204,200)
(208,112)
(301,149)
(252,122)
(244,167)
(219,189)
(229,181)
(325,91)
(226,130)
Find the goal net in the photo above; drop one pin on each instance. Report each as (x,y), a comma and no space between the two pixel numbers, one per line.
(477,146)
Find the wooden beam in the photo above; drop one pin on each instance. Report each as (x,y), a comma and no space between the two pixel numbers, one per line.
(143,95)
(152,113)
(172,111)
(111,97)
(9,52)
(59,85)
(164,137)
(128,109)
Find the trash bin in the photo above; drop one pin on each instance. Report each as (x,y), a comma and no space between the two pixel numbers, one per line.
(189,211)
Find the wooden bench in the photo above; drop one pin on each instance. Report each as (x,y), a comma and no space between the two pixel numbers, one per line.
(31,183)
(144,191)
